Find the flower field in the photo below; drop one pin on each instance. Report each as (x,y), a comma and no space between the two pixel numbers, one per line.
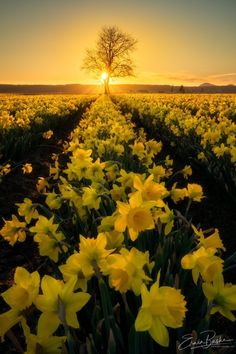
(25,120)
(121,264)
(202,128)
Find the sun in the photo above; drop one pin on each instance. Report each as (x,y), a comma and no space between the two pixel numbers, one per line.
(104,75)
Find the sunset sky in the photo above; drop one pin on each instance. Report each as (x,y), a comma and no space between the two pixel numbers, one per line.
(179,41)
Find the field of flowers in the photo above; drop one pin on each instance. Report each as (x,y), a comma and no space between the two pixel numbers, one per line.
(125,268)
(200,128)
(25,121)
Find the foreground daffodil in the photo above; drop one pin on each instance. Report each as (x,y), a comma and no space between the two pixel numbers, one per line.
(126,270)
(59,304)
(136,216)
(151,190)
(42,343)
(19,297)
(221,297)
(204,262)
(73,267)
(161,307)
(93,254)
(24,291)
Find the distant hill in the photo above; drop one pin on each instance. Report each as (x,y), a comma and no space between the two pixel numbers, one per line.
(206,84)
(92,89)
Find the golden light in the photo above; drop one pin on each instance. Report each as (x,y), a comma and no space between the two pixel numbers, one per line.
(104,75)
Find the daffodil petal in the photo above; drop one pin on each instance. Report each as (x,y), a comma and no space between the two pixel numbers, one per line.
(159,332)
(48,323)
(143,321)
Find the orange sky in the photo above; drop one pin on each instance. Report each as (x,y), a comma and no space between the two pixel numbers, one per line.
(179,41)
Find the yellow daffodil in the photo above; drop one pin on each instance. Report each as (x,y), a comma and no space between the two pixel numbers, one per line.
(5,169)
(136,216)
(220,150)
(96,171)
(27,168)
(28,210)
(54,170)
(114,238)
(126,270)
(83,155)
(90,198)
(221,297)
(13,230)
(72,268)
(59,304)
(42,184)
(161,307)
(51,245)
(168,161)
(93,253)
(138,149)
(201,156)
(204,262)
(187,171)
(118,193)
(195,192)
(153,146)
(48,134)
(212,241)
(165,217)
(151,190)
(44,226)
(126,179)
(53,200)
(158,172)
(23,293)
(44,343)
(178,194)
(8,320)
(49,239)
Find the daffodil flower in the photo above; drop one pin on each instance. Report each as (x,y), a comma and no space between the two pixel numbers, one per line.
(136,216)
(221,297)
(204,262)
(22,294)
(194,192)
(126,270)
(28,210)
(162,307)
(59,304)
(212,241)
(13,230)
(151,191)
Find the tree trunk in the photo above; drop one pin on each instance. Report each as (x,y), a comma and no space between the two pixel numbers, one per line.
(106,87)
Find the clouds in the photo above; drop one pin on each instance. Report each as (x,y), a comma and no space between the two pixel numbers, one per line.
(179,78)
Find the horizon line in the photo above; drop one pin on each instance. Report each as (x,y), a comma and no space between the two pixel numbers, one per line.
(114,84)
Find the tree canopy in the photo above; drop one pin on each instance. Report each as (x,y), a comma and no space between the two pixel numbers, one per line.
(111,55)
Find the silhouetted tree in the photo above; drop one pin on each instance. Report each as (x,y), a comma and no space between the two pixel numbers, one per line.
(182,89)
(111,56)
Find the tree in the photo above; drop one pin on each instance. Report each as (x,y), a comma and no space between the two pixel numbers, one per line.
(111,56)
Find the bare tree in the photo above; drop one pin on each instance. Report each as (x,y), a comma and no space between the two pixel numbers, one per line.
(111,56)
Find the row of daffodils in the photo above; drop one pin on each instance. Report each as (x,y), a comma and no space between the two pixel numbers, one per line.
(27,120)
(201,128)
(127,270)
